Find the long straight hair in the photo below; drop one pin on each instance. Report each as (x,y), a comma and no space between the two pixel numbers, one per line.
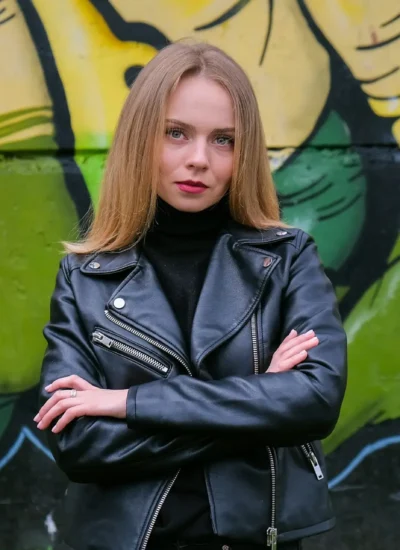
(128,194)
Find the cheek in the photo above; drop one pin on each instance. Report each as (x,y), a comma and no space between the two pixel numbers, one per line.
(224,168)
(169,160)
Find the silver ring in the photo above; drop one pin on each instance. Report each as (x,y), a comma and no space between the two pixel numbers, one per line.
(73,393)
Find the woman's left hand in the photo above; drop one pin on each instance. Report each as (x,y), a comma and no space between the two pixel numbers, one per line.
(80,399)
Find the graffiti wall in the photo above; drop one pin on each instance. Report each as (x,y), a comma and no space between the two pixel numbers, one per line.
(327,77)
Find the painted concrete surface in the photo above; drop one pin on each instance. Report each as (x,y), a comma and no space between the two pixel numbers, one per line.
(327,78)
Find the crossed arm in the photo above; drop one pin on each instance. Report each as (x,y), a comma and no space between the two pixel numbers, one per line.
(126,433)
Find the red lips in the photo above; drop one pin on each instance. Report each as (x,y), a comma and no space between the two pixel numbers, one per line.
(191,186)
(192,183)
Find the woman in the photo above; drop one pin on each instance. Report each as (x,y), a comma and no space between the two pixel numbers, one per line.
(166,317)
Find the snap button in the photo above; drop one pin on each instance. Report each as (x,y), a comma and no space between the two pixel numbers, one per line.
(281,233)
(267,262)
(94,265)
(119,303)
(226,547)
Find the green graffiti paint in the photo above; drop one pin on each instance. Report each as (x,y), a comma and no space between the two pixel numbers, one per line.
(374,366)
(323,191)
(36,214)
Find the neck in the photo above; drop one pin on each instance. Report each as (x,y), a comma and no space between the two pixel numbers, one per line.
(169,220)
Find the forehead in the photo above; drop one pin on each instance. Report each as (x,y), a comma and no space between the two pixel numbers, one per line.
(200,101)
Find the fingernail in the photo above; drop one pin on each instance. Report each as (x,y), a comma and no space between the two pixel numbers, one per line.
(40,425)
(292,331)
(47,387)
(37,417)
(310,332)
(53,429)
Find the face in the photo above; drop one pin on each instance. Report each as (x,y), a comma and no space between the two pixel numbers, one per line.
(197,153)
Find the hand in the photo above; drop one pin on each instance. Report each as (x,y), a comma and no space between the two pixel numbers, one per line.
(292,351)
(88,401)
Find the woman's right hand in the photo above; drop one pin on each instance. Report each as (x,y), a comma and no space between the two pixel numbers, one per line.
(292,351)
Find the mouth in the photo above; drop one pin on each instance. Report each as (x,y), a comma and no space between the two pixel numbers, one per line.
(190,186)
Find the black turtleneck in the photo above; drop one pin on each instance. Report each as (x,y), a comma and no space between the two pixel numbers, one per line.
(179,247)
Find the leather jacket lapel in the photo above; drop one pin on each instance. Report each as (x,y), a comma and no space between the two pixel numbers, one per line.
(237,273)
(140,302)
(236,276)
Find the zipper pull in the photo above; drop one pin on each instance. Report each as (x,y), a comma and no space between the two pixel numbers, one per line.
(272,537)
(100,338)
(316,466)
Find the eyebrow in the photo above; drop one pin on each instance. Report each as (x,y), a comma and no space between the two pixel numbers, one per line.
(190,127)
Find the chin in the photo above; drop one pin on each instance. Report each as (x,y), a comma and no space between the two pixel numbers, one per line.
(190,203)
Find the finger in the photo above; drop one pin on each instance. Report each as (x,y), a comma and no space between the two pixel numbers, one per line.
(74,381)
(57,410)
(293,361)
(307,345)
(53,400)
(292,334)
(67,417)
(302,340)
(287,344)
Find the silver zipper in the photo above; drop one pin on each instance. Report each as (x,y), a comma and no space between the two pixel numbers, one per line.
(311,457)
(130,329)
(254,339)
(272,531)
(157,511)
(100,338)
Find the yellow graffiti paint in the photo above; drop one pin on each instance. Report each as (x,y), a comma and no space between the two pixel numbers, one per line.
(396,131)
(24,125)
(363,32)
(190,9)
(92,67)
(354,10)
(386,107)
(25,105)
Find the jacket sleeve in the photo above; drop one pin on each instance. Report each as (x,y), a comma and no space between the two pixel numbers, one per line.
(90,448)
(284,408)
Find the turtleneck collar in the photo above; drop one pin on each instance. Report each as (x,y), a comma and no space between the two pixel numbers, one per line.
(170,221)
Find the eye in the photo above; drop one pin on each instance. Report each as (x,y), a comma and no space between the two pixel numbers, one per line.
(175,133)
(224,140)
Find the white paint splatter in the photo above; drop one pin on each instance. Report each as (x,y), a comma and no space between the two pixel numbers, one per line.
(394,104)
(50,526)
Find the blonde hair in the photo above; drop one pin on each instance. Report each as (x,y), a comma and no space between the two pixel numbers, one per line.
(128,193)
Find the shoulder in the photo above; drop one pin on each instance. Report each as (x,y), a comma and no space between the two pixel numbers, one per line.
(71,262)
(292,237)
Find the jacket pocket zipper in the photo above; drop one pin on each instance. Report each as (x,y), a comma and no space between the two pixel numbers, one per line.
(157,511)
(272,531)
(105,341)
(310,455)
(151,341)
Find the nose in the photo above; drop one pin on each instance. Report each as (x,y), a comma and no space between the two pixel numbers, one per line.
(198,155)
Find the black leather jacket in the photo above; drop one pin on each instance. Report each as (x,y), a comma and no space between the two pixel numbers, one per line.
(256,434)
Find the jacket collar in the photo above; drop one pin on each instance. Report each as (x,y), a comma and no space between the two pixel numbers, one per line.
(239,268)
(107,263)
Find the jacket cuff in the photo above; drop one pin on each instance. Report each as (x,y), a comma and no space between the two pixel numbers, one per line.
(131,407)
